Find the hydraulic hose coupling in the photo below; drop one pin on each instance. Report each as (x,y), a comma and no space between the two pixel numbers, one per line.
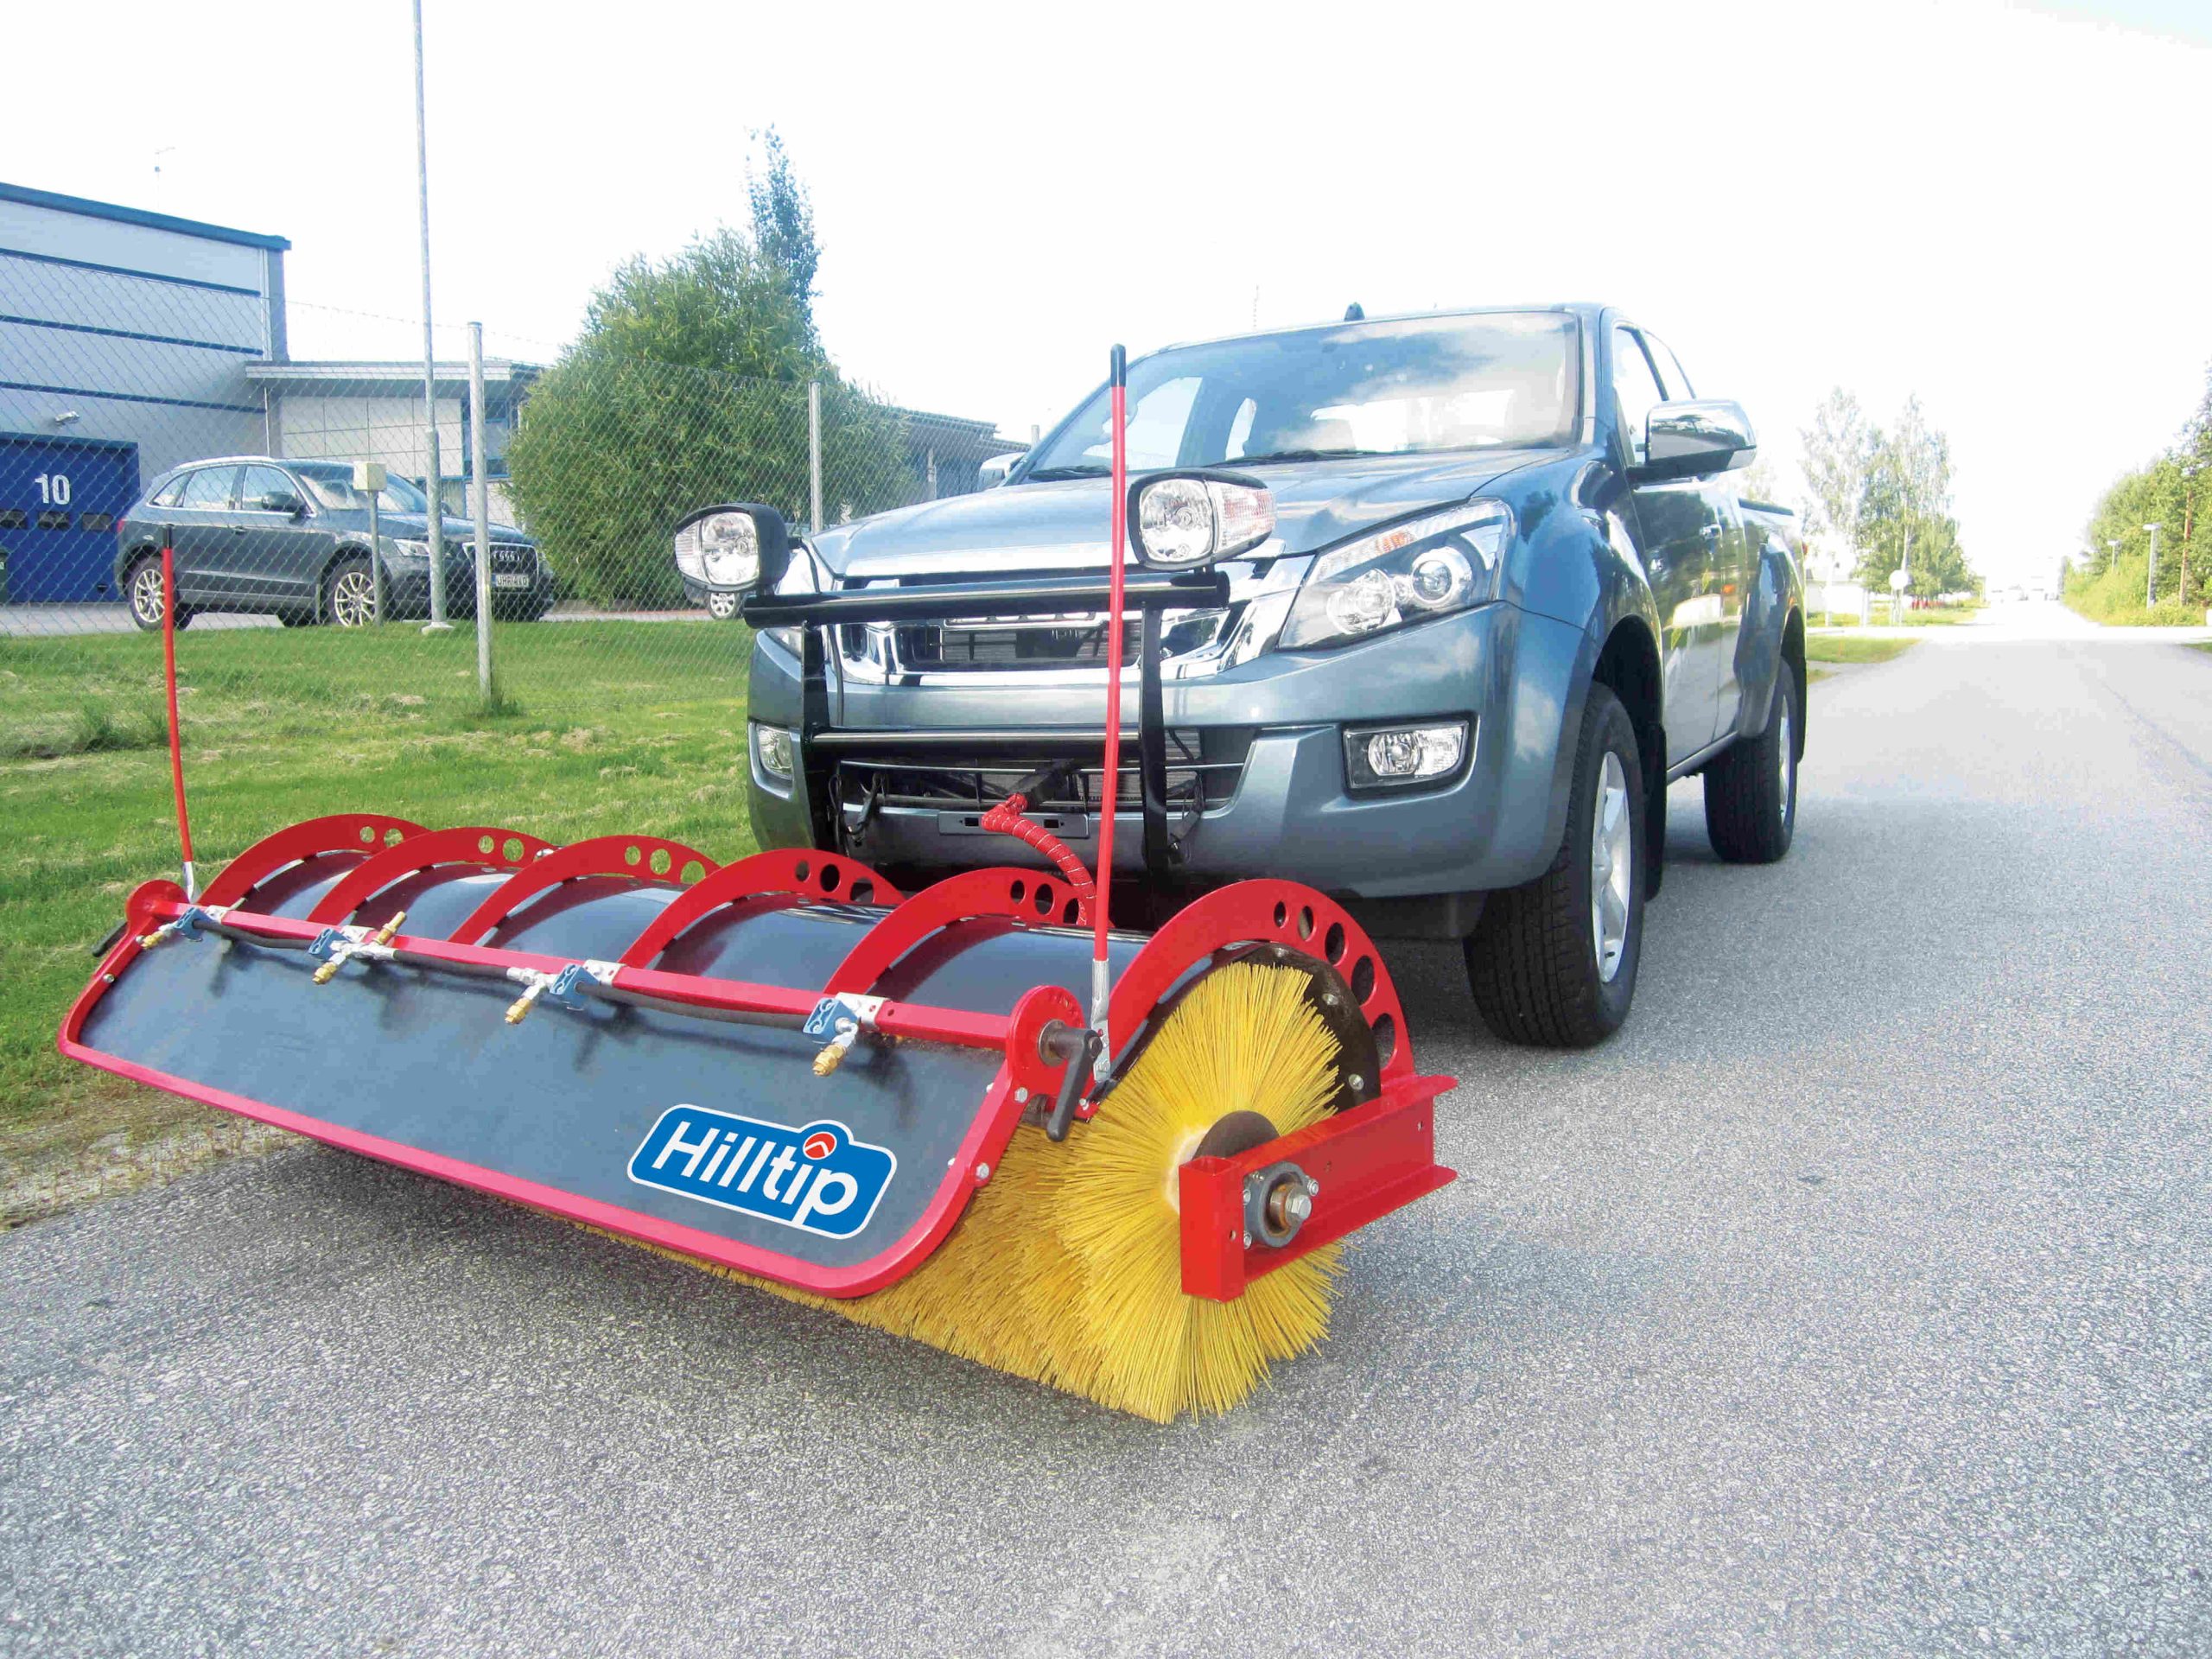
(352,942)
(570,986)
(186,926)
(842,1019)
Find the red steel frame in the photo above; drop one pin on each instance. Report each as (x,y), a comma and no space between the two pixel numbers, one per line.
(1370,1160)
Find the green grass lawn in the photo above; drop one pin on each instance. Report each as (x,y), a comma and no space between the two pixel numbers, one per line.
(608,727)
(1853,648)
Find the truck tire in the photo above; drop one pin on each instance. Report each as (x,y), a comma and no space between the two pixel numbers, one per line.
(1750,787)
(1552,963)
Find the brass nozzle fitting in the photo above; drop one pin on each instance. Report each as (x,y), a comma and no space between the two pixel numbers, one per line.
(518,1008)
(829,1060)
(155,940)
(391,929)
(328,971)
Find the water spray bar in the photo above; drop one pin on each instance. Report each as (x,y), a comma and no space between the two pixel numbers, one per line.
(671,993)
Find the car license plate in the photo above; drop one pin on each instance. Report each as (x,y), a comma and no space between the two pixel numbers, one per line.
(510,581)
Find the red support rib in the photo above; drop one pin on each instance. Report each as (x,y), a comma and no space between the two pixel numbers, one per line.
(647,858)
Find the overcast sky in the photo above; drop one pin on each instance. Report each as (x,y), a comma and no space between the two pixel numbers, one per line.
(1978,202)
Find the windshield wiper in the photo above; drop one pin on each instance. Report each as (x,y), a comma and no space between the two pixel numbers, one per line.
(1086,469)
(1303,454)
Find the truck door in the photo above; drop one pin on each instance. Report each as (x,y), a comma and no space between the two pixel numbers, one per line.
(1679,535)
(1732,566)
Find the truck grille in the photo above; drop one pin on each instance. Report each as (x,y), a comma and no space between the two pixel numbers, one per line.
(985,644)
(982,643)
(1204,768)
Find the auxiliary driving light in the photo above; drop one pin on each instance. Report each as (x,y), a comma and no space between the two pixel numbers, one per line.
(1390,757)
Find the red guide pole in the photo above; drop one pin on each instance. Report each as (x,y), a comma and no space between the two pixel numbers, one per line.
(1110,794)
(176,740)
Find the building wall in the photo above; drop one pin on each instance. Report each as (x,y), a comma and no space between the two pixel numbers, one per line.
(389,429)
(141,333)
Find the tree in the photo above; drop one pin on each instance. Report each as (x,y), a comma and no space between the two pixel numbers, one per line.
(688,386)
(1905,509)
(1838,449)
(783,226)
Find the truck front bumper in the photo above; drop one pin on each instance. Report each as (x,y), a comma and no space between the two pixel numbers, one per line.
(1288,811)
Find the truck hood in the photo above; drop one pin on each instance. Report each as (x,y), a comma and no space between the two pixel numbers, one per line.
(1064,525)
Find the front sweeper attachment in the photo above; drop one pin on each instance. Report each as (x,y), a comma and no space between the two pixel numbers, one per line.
(784,1069)
(977,1116)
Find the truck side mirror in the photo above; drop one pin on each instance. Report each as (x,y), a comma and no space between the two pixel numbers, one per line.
(740,547)
(1694,439)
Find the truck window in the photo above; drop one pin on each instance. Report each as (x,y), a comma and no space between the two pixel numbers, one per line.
(1635,386)
(1670,369)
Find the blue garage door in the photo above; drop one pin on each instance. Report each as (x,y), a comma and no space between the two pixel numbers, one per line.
(60,499)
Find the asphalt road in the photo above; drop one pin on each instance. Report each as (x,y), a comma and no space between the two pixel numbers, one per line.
(1855,1300)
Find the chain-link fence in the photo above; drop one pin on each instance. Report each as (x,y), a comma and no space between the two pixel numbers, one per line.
(293,497)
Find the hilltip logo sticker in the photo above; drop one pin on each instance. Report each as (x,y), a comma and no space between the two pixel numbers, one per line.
(818,1179)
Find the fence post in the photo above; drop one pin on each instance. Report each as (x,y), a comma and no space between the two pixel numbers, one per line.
(437,623)
(813,453)
(376,558)
(480,511)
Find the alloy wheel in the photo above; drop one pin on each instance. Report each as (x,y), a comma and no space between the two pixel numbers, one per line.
(146,598)
(1611,867)
(1788,765)
(353,599)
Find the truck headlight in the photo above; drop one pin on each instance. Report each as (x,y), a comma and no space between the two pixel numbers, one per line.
(1425,566)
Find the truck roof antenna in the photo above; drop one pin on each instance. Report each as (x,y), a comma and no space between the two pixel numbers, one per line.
(1355,313)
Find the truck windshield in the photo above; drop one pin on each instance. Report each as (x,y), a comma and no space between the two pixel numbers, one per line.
(1494,380)
(332,484)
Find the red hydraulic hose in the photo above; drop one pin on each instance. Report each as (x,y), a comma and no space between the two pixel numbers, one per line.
(1005,818)
(1110,796)
(176,739)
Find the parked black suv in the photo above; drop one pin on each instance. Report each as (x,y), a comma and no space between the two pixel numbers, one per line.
(291,538)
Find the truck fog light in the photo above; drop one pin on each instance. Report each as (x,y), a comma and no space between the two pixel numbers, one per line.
(771,747)
(1392,756)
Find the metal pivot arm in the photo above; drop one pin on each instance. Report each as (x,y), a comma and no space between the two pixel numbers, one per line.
(936,601)
(1162,853)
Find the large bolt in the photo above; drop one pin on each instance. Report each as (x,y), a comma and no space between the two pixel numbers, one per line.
(1289,1205)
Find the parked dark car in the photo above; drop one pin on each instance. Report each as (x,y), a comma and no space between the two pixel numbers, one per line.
(291,538)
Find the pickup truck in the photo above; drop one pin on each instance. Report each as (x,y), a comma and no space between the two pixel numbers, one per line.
(1511,595)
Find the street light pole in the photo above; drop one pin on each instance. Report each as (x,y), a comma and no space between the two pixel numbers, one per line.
(436,487)
(2150,584)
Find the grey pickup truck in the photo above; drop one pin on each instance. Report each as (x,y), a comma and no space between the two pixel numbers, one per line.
(1511,593)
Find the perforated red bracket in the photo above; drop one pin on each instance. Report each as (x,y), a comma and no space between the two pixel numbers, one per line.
(780,872)
(648,858)
(1266,913)
(1021,895)
(486,848)
(364,833)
